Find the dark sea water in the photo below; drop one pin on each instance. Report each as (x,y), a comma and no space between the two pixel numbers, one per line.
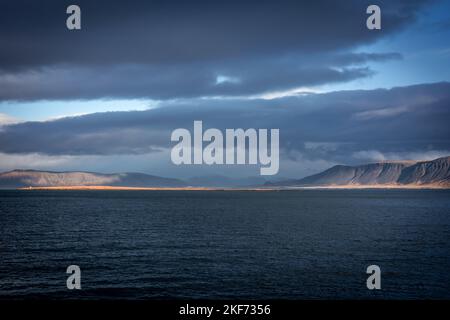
(225,244)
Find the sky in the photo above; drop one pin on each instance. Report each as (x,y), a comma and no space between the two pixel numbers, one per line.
(106,98)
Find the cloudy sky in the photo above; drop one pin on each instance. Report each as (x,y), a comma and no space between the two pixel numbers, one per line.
(107,97)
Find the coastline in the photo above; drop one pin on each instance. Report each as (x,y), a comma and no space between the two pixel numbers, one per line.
(143,188)
(280,188)
(375,186)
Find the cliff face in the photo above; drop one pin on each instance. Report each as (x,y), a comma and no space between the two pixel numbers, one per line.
(435,172)
(26,178)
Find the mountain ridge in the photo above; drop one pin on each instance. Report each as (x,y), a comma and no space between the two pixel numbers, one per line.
(390,173)
(22,178)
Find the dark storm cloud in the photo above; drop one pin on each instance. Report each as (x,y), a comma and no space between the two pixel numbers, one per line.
(179,31)
(191,80)
(167,49)
(328,126)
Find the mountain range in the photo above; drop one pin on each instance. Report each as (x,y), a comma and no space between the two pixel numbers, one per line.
(435,173)
(33,178)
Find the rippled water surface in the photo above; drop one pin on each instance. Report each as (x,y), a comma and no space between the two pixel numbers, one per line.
(225,244)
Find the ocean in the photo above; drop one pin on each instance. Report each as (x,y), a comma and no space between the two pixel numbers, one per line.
(302,244)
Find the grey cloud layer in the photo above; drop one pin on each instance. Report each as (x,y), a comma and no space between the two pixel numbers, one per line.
(193,80)
(172,49)
(317,126)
